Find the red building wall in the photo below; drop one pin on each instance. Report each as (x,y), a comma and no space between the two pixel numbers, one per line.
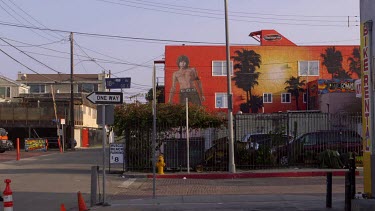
(278,64)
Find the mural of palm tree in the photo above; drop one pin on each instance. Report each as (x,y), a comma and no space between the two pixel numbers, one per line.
(246,78)
(294,87)
(332,59)
(256,102)
(355,62)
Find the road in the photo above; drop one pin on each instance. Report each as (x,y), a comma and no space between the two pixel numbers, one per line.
(46,180)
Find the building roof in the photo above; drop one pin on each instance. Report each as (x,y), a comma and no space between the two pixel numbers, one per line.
(56,77)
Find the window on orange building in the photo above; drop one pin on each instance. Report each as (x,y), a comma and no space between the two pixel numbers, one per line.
(267,98)
(308,68)
(219,68)
(221,100)
(285,97)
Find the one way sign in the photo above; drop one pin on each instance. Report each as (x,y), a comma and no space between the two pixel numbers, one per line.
(105,97)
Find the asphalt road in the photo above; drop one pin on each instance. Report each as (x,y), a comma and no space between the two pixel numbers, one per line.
(46,180)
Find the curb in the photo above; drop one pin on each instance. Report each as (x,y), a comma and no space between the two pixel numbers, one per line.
(248,175)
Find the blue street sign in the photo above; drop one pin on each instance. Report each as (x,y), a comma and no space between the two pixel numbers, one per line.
(117,83)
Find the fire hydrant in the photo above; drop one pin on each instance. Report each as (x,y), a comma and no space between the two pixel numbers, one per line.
(160,164)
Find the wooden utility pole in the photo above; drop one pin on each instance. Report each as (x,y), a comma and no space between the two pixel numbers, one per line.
(71,93)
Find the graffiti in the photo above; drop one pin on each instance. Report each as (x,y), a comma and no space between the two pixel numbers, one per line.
(329,86)
(35,144)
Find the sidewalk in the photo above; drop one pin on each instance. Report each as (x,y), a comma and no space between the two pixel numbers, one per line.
(286,189)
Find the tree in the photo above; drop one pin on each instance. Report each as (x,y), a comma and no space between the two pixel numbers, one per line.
(246,77)
(332,59)
(294,87)
(355,62)
(160,98)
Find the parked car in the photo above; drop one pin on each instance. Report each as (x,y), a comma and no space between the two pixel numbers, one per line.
(307,147)
(253,147)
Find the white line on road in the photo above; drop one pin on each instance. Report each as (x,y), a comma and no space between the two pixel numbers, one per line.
(127,183)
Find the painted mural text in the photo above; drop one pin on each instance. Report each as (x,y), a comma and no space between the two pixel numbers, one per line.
(366,87)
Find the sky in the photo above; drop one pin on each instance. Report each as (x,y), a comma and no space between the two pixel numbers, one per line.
(126,36)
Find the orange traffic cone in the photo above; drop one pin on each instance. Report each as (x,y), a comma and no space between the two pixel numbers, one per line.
(62,207)
(81,202)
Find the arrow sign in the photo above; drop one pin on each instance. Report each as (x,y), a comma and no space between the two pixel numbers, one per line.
(105,97)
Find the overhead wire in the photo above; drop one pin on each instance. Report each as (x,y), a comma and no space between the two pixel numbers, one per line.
(30,56)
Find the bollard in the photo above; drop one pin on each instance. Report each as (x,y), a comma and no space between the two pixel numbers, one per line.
(94,187)
(7,195)
(352,175)
(18,149)
(348,202)
(329,190)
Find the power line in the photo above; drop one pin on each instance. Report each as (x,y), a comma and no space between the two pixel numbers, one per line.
(232,19)
(26,66)
(31,57)
(34,19)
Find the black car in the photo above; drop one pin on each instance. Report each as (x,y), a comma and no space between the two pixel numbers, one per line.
(307,147)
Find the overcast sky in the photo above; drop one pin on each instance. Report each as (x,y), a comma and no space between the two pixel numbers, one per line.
(126,36)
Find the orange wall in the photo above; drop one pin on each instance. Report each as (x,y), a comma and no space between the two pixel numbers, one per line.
(279,63)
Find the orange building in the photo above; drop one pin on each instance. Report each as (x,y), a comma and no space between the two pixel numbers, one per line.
(261,75)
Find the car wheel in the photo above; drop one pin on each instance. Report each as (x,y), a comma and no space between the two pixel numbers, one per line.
(284,160)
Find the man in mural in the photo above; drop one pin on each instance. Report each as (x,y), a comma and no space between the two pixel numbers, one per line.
(190,85)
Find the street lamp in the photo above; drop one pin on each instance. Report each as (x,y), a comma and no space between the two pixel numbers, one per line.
(154,125)
(231,167)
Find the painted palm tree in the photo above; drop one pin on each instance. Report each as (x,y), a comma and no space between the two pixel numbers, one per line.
(246,78)
(355,62)
(294,87)
(256,103)
(332,59)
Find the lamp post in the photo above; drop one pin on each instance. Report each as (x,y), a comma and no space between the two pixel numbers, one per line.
(154,125)
(231,167)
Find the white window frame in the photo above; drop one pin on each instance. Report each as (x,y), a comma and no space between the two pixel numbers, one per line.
(264,101)
(224,99)
(309,70)
(304,96)
(283,98)
(223,67)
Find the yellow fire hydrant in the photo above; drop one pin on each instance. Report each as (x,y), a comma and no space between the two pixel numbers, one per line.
(160,164)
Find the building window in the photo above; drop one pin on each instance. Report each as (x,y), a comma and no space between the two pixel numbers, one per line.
(37,88)
(308,68)
(219,68)
(285,97)
(267,98)
(4,92)
(87,88)
(221,100)
(304,97)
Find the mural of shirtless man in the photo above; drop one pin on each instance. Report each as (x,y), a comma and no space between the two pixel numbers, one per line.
(190,85)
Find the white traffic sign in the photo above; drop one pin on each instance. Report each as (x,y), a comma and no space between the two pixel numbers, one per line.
(105,97)
(116,153)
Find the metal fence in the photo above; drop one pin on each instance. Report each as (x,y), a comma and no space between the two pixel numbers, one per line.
(260,141)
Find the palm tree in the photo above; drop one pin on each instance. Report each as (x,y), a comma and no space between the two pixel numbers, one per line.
(332,59)
(355,62)
(294,87)
(246,77)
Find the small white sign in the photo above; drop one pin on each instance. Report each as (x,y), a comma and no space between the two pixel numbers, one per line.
(116,153)
(62,121)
